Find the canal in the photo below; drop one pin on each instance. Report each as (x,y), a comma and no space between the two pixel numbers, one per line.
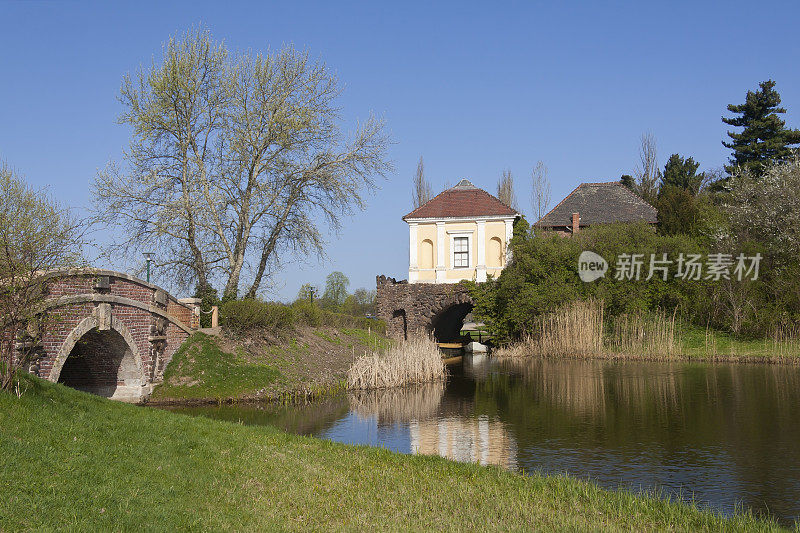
(723,435)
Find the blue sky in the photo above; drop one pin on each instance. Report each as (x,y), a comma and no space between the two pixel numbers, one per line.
(472,87)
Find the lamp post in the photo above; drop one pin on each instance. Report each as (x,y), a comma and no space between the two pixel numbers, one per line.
(148,257)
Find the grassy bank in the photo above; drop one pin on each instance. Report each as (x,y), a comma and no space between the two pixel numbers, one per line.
(304,361)
(75,461)
(580,329)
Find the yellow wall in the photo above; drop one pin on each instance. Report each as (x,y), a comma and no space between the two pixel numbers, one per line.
(428,248)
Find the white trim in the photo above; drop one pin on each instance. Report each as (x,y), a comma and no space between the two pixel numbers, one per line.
(509,235)
(413,252)
(488,218)
(440,266)
(480,269)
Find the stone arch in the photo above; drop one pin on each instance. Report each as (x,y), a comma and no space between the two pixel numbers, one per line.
(447,317)
(118,338)
(400,322)
(426,254)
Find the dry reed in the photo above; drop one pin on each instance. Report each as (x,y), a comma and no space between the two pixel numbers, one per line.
(651,334)
(575,329)
(578,330)
(415,361)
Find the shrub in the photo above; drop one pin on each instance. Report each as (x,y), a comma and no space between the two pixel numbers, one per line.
(249,314)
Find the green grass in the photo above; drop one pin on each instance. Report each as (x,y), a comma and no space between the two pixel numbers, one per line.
(74,461)
(698,343)
(324,336)
(375,341)
(200,369)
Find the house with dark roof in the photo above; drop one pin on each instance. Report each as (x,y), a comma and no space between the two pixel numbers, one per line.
(462,233)
(597,203)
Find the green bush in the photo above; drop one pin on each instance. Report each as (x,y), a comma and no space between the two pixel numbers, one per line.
(307,313)
(544,276)
(250,314)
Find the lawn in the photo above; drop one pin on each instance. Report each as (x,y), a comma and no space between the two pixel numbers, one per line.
(698,343)
(304,361)
(74,461)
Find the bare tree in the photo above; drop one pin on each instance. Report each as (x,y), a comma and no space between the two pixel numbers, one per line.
(234,161)
(540,195)
(647,173)
(36,235)
(423,192)
(505,190)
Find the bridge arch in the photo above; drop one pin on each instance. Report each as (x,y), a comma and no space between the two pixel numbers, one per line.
(448,319)
(102,358)
(109,332)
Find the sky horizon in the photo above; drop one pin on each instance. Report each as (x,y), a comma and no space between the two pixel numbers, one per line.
(473,88)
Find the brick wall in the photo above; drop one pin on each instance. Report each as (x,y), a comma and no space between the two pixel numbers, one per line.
(133,307)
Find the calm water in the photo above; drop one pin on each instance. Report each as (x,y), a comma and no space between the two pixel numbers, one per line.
(726,434)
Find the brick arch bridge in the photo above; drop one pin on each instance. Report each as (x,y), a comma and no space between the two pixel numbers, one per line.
(110,333)
(411,309)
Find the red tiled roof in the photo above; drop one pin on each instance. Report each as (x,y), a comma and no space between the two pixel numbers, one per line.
(463,200)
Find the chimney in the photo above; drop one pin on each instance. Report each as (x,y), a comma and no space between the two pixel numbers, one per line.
(576,222)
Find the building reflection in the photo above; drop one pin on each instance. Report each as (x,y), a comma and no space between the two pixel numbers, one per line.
(438,424)
(471,440)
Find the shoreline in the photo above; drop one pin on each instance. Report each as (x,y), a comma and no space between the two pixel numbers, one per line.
(792,360)
(292,396)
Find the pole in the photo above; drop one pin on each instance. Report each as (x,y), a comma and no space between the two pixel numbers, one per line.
(148,270)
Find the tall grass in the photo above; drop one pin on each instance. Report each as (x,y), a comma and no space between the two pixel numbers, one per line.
(785,341)
(415,361)
(651,334)
(575,329)
(578,329)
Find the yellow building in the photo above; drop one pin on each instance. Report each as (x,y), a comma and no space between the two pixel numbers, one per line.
(462,233)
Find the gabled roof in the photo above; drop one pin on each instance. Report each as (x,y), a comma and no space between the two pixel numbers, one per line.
(600,203)
(463,200)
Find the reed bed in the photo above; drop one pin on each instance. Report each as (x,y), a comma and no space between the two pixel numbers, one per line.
(413,362)
(785,341)
(578,329)
(651,334)
(575,329)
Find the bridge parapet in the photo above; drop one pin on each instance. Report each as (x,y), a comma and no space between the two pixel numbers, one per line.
(110,332)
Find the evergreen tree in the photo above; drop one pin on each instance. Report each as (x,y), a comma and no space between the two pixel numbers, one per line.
(628,181)
(765,137)
(681,173)
(677,209)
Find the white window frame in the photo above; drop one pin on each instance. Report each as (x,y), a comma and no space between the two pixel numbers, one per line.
(462,233)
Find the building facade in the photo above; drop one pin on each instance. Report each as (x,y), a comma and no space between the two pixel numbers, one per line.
(461,234)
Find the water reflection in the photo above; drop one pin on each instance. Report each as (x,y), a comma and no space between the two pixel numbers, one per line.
(725,435)
(435,426)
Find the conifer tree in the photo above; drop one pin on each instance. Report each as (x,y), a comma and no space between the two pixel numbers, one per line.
(681,173)
(765,137)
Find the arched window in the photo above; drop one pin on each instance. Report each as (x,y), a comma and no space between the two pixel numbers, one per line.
(426,254)
(495,257)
